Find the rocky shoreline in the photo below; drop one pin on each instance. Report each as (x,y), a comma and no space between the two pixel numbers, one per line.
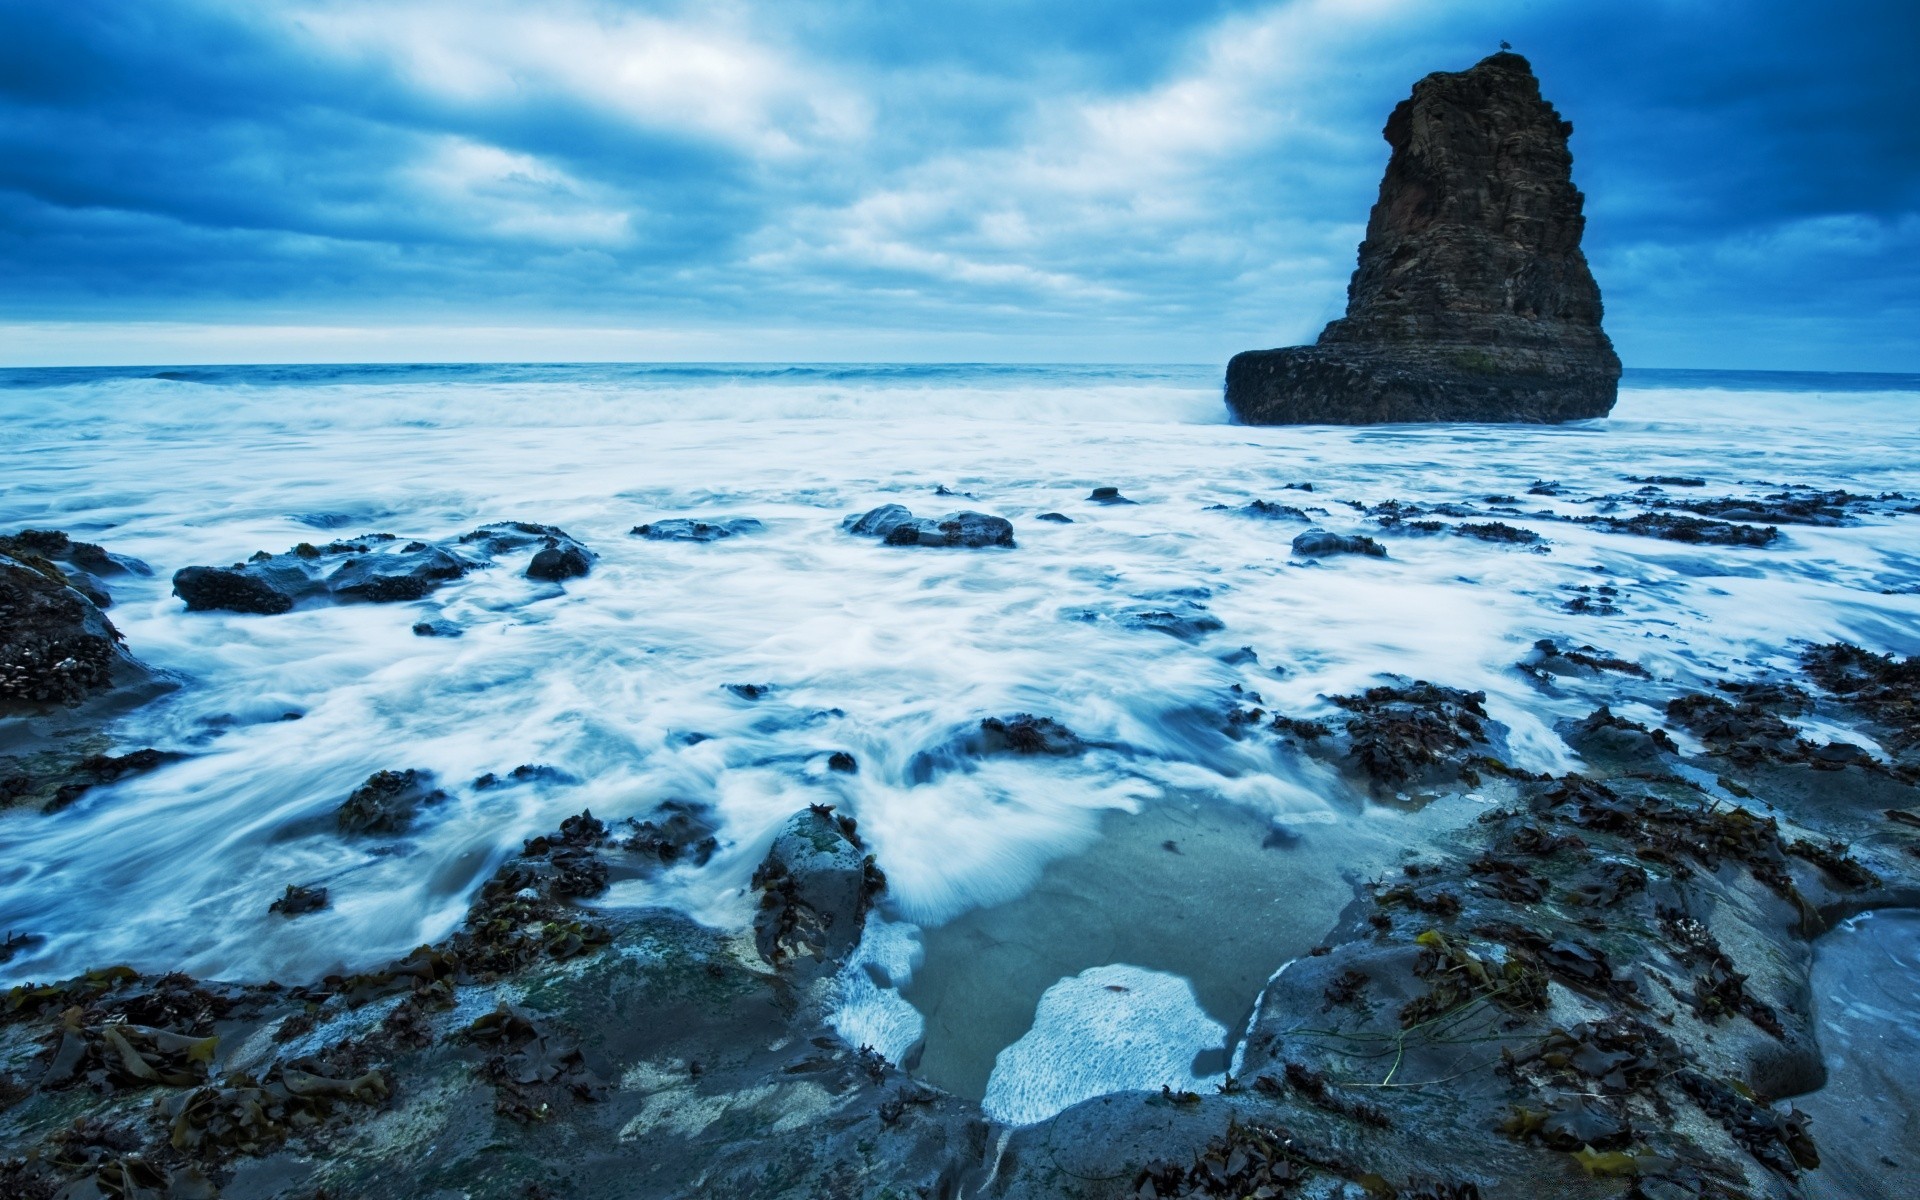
(1596,984)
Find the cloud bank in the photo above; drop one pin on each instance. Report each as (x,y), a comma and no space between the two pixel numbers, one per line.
(853,179)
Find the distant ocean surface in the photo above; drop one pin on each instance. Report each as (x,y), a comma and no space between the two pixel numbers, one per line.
(620,679)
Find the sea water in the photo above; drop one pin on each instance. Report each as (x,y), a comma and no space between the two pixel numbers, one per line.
(1010,879)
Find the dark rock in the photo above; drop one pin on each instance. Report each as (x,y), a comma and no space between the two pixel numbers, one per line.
(1318,543)
(1495,531)
(1472,300)
(298,900)
(815,885)
(56,646)
(1056,518)
(378,569)
(524,773)
(445,629)
(896,526)
(388,801)
(1688,481)
(1025,733)
(750,691)
(555,562)
(1264,510)
(1674,527)
(676,832)
(56,776)
(1187,621)
(1107,495)
(84,562)
(557,555)
(680,529)
(842,762)
(1410,733)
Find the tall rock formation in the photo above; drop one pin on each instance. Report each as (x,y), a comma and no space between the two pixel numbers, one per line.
(1472,301)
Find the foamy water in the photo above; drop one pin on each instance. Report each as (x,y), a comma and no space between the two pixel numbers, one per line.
(890,654)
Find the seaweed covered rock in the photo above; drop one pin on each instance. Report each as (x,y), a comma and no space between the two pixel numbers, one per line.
(388,801)
(56,646)
(1415,734)
(815,885)
(894,525)
(1472,300)
(84,563)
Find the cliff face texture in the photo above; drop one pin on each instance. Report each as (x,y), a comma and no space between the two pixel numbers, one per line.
(1472,301)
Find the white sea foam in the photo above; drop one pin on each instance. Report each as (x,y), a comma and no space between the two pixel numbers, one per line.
(889,654)
(1116,1028)
(871,1011)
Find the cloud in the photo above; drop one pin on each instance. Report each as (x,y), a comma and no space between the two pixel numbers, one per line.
(1174,180)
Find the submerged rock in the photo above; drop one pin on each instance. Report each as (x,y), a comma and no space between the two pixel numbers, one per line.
(1472,300)
(894,525)
(388,801)
(680,529)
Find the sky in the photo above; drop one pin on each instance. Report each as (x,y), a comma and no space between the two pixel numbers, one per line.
(950,180)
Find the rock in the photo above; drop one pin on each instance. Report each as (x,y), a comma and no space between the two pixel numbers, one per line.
(843,762)
(1264,510)
(555,562)
(56,646)
(377,569)
(816,884)
(682,530)
(1472,300)
(677,831)
(1055,518)
(388,801)
(1318,543)
(84,562)
(557,554)
(1024,733)
(444,629)
(895,526)
(298,900)
(66,770)
(1108,495)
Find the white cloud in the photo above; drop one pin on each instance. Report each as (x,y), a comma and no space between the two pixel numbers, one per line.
(1143,175)
(702,79)
(490,191)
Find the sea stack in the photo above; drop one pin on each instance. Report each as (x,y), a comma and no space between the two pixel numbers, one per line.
(1472,301)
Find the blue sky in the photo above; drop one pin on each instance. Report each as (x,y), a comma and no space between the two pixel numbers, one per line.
(259,180)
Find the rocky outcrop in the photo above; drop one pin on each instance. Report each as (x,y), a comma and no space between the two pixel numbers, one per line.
(56,646)
(1472,300)
(378,568)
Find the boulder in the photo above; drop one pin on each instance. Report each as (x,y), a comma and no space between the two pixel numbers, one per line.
(56,646)
(896,526)
(1318,543)
(1472,300)
(815,885)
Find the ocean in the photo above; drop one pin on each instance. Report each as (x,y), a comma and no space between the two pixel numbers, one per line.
(1015,884)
